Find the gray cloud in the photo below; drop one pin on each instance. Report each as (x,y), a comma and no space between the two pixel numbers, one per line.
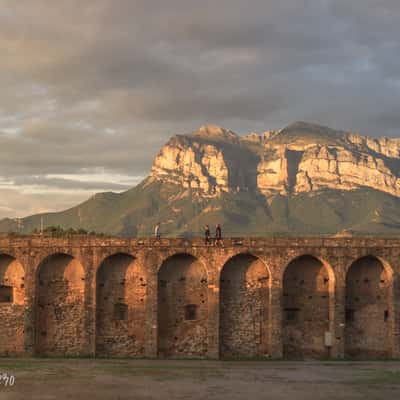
(62,183)
(13,203)
(102,84)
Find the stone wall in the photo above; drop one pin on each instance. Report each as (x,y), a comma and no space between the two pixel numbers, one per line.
(308,289)
(60,307)
(367,309)
(12,310)
(182,308)
(120,307)
(254,297)
(244,303)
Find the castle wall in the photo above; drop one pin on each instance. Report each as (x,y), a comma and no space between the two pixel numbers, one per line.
(120,307)
(60,308)
(307,294)
(254,297)
(244,306)
(12,310)
(182,308)
(368,316)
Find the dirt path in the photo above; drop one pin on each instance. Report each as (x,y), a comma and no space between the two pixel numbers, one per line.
(115,379)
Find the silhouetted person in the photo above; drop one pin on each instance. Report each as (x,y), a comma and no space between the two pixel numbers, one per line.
(218,235)
(207,235)
(157,230)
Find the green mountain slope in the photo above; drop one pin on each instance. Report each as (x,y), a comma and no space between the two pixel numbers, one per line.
(135,212)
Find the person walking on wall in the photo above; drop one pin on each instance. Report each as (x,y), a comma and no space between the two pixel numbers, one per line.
(207,236)
(218,235)
(157,231)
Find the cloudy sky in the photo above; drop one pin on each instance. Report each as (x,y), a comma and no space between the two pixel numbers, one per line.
(90,90)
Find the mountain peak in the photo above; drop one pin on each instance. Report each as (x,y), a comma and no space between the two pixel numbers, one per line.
(306,132)
(311,128)
(306,125)
(215,132)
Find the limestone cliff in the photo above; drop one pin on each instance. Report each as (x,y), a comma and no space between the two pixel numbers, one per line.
(210,161)
(297,159)
(192,164)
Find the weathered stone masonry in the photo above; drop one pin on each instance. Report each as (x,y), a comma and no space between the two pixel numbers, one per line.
(276,297)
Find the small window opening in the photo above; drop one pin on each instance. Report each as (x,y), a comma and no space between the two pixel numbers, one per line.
(349,315)
(292,314)
(386,315)
(120,312)
(6,294)
(191,312)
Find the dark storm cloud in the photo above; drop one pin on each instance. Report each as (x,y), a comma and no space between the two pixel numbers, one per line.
(214,60)
(103,84)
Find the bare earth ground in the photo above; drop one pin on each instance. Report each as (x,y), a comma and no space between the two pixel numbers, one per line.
(115,379)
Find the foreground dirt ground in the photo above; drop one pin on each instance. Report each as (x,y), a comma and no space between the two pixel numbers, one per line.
(120,379)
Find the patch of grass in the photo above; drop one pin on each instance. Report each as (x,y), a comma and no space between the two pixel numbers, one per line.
(379,377)
(18,365)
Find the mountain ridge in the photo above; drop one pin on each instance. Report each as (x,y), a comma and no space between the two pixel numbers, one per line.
(302,179)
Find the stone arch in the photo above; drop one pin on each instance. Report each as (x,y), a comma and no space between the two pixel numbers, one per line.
(12,305)
(120,307)
(244,307)
(369,311)
(182,307)
(308,307)
(60,307)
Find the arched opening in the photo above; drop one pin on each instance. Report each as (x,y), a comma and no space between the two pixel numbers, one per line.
(244,301)
(12,305)
(60,328)
(368,313)
(120,307)
(182,308)
(308,303)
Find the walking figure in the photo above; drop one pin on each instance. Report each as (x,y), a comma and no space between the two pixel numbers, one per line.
(207,236)
(218,235)
(157,230)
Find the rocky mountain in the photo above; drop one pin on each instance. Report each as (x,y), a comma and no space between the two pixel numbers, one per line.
(303,179)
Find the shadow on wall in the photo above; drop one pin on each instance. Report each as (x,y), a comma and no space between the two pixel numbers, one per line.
(308,303)
(368,314)
(12,305)
(244,306)
(60,328)
(120,307)
(182,308)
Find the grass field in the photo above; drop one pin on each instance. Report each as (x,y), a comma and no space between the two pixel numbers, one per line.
(115,379)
